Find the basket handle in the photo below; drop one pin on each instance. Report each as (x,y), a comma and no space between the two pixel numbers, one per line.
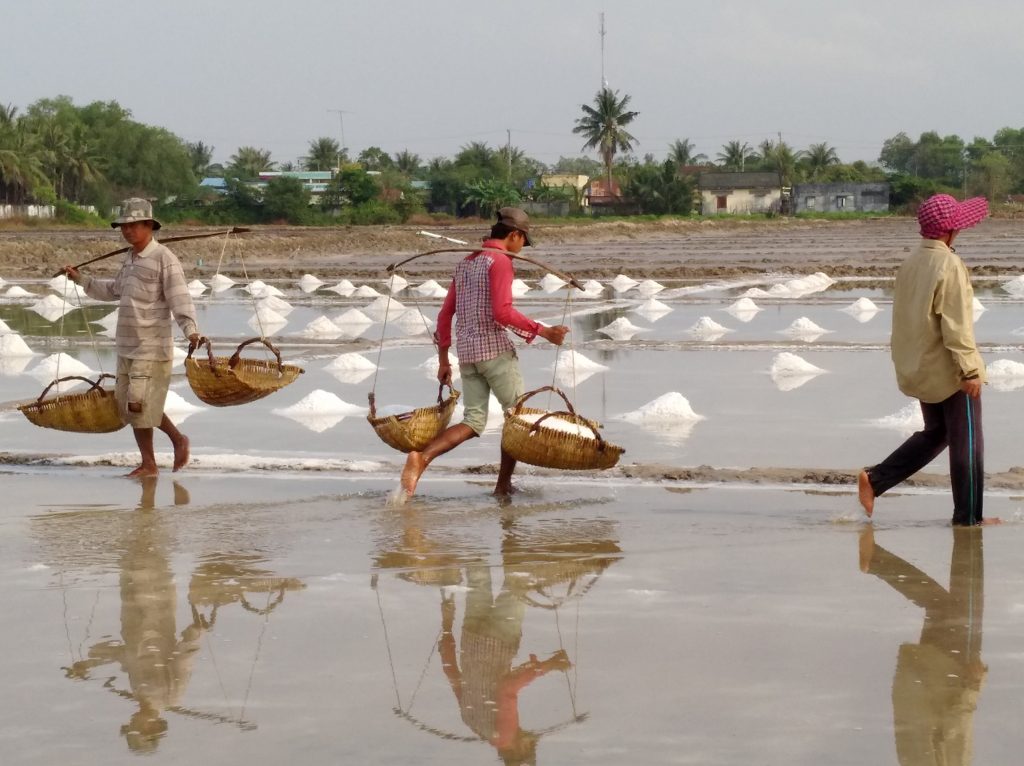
(233,361)
(518,406)
(372,398)
(575,418)
(93,385)
(440,392)
(209,353)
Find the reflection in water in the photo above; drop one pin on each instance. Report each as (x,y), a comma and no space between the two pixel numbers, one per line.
(937,682)
(155,658)
(544,566)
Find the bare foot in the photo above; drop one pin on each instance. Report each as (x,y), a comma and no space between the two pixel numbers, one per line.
(181,453)
(415,465)
(142,472)
(865,493)
(505,490)
(990,522)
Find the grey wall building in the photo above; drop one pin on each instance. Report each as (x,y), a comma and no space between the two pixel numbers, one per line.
(841,198)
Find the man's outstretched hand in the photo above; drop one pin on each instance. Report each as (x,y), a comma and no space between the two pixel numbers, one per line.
(554,334)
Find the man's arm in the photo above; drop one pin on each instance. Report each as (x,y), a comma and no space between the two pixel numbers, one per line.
(955,306)
(178,297)
(443,336)
(505,314)
(98,289)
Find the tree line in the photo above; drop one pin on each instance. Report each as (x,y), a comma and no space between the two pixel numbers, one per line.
(58,153)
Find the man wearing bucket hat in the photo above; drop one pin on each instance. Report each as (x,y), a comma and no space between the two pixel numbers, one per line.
(937,362)
(480,296)
(151,291)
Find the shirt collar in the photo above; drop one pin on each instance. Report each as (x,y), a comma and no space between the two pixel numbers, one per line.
(147,250)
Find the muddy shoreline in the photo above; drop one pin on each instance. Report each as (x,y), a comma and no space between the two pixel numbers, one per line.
(681,249)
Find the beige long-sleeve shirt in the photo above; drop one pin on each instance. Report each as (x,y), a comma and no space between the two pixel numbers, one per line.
(933,346)
(152,290)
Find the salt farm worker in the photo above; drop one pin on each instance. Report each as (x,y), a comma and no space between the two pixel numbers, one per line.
(937,361)
(480,296)
(152,290)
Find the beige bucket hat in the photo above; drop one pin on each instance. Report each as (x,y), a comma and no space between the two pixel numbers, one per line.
(135,209)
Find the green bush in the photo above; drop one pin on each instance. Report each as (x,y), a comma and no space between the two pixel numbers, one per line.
(373,212)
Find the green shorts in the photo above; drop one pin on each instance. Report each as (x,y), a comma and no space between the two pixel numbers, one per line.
(145,381)
(499,375)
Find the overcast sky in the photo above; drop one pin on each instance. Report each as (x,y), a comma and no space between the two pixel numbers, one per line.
(432,76)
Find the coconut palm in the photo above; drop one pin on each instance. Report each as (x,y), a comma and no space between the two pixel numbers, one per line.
(248,162)
(603,125)
(324,153)
(201,157)
(407,163)
(477,154)
(681,153)
(780,158)
(736,155)
(819,157)
(21,166)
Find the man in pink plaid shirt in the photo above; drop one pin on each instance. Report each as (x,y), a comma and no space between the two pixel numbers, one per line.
(480,297)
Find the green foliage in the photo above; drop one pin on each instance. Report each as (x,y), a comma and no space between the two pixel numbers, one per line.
(487,195)
(659,189)
(372,212)
(68,212)
(248,162)
(603,125)
(285,199)
(324,153)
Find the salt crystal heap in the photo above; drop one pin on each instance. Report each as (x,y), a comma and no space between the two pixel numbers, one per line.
(397,283)
(743,309)
(219,283)
(13,345)
(652,309)
(344,288)
(266,320)
(260,289)
(61,366)
(308,283)
(1003,375)
(622,283)
(804,329)
(708,328)
(519,288)
(430,289)
(272,302)
(177,408)
(863,309)
(1013,286)
(196,288)
(670,417)
(649,287)
(365,291)
(573,368)
(430,366)
(351,368)
(321,327)
(621,329)
(17,292)
(319,410)
(550,283)
(906,420)
(51,308)
(789,371)
(384,306)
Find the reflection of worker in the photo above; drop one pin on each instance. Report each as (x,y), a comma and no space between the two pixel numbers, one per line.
(937,682)
(156,660)
(482,677)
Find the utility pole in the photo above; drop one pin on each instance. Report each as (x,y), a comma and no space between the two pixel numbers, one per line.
(604,82)
(341,123)
(508,154)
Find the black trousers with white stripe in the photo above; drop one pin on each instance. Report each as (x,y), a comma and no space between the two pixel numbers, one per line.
(954,423)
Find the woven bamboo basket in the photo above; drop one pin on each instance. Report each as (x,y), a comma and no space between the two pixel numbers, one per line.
(534,444)
(416,429)
(91,412)
(225,382)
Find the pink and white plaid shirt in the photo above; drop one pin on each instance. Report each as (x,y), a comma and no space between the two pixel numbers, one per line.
(480,297)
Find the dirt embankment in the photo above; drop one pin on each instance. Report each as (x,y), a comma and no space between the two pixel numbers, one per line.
(687,249)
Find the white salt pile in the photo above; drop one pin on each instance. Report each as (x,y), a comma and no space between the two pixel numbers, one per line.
(266,319)
(649,287)
(18,292)
(672,407)
(793,288)
(743,309)
(365,291)
(428,289)
(495,414)
(1003,374)
(550,283)
(556,423)
(572,368)
(789,371)
(308,283)
(384,305)
(431,364)
(622,283)
(1013,286)
(519,288)
(2,281)
(397,283)
(414,322)
(196,288)
(621,329)
(109,322)
(274,303)
(51,308)
(260,289)
(652,309)
(860,306)
(344,288)
(591,289)
(321,327)
(978,309)
(352,317)
(3,327)
(59,366)
(319,410)
(706,327)
(13,345)
(805,329)
(67,289)
(178,357)
(351,368)
(178,409)
(219,283)
(907,419)
(351,361)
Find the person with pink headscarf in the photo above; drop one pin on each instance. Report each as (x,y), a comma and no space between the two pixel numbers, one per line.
(937,362)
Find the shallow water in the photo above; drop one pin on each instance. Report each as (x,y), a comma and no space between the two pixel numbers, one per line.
(262,618)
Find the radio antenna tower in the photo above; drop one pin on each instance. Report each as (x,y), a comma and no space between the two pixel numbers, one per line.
(604,82)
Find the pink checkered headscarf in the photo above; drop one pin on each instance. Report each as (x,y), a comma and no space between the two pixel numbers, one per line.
(942,213)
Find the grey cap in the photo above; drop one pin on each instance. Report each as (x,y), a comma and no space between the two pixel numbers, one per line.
(516,218)
(135,209)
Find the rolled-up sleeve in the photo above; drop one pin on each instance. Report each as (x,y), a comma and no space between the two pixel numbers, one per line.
(505,314)
(443,333)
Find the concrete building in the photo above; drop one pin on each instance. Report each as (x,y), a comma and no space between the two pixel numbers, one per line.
(739,193)
(841,198)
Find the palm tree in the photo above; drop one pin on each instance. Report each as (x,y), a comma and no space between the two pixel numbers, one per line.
(819,157)
(82,163)
(248,162)
(681,153)
(324,153)
(21,166)
(604,127)
(201,157)
(736,155)
(407,163)
(780,158)
(477,154)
